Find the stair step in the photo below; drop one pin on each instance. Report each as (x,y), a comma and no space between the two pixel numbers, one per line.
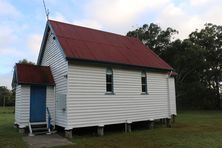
(38,123)
(40,129)
(39,126)
(40,133)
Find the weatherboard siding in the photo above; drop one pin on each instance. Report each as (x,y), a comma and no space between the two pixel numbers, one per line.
(172,96)
(22,105)
(50,103)
(18,104)
(53,57)
(88,105)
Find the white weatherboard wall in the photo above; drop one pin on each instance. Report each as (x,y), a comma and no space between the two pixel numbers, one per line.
(89,106)
(53,57)
(50,103)
(17,103)
(172,96)
(22,105)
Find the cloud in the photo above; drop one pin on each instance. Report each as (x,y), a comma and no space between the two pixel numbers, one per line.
(186,19)
(6,79)
(9,52)
(88,23)
(7,9)
(120,15)
(34,43)
(199,2)
(214,14)
(178,18)
(7,36)
(58,17)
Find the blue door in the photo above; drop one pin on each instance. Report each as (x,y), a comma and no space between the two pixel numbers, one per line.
(38,104)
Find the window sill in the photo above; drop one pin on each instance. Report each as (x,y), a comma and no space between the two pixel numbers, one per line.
(109,93)
(144,93)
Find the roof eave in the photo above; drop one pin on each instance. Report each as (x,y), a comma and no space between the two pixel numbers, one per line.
(43,43)
(29,83)
(114,63)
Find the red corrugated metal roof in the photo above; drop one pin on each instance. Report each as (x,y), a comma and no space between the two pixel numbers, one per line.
(94,45)
(33,74)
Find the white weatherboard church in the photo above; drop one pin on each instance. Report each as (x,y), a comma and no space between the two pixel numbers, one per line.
(86,77)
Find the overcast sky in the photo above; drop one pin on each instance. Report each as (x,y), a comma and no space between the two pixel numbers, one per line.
(23,21)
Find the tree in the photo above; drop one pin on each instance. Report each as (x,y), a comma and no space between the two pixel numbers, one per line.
(25,61)
(154,37)
(188,59)
(7,97)
(210,39)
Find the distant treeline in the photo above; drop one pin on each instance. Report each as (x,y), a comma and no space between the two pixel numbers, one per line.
(7,97)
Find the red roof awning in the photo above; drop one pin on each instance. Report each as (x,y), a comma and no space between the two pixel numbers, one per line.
(33,74)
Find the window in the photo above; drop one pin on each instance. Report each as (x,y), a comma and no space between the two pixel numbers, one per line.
(109,80)
(144,82)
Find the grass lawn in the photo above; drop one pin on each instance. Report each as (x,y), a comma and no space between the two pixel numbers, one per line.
(9,136)
(192,129)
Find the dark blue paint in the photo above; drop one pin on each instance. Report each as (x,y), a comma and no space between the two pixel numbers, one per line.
(38,104)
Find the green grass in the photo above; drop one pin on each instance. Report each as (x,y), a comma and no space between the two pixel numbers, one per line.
(192,129)
(7,110)
(9,136)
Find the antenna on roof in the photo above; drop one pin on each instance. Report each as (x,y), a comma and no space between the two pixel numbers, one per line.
(46,10)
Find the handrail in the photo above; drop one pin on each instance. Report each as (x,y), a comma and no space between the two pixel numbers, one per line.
(49,120)
(30,128)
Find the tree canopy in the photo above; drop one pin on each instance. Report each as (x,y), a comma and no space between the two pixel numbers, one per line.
(25,61)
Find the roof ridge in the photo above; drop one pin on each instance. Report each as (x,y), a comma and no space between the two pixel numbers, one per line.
(124,36)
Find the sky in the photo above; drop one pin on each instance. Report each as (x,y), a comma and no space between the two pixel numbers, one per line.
(23,21)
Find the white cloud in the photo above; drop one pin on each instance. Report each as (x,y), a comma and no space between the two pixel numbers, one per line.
(7,9)
(214,14)
(186,19)
(7,36)
(178,18)
(120,15)
(34,43)
(6,79)
(88,23)
(9,52)
(58,17)
(199,2)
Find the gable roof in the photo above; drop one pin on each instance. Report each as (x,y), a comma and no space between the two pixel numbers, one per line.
(33,74)
(80,43)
